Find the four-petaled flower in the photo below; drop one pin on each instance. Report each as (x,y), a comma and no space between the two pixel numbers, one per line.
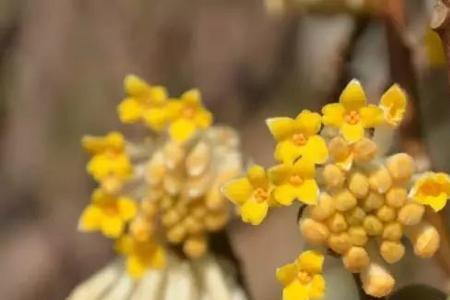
(187,115)
(141,255)
(302,279)
(393,103)
(298,137)
(107,214)
(143,103)
(352,115)
(294,181)
(253,194)
(432,189)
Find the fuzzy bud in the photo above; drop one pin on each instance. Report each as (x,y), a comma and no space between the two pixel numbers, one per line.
(401,166)
(356,259)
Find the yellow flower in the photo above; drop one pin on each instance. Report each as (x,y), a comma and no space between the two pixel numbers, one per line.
(141,255)
(253,194)
(187,116)
(393,103)
(143,103)
(352,115)
(294,181)
(432,189)
(107,214)
(302,279)
(298,137)
(109,159)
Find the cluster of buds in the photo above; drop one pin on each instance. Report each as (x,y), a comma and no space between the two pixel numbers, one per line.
(164,192)
(359,203)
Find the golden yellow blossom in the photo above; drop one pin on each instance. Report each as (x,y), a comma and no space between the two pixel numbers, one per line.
(107,214)
(352,115)
(302,279)
(298,137)
(109,158)
(432,189)
(143,103)
(253,194)
(141,255)
(187,115)
(295,181)
(393,103)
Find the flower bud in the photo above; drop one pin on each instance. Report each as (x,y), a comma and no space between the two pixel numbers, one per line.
(337,223)
(380,180)
(333,176)
(176,234)
(195,246)
(372,225)
(392,231)
(170,218)
(338,148)
(216,221)
(376,280)
(314,232)
(396,197)
(141,229)
(372,202)
(401,166)
(356,259)
(355,216)
(391,251)
(386,213)
(411,214)
(425,239)
(358,235)
(344,200)
(323,209)
(358,184)
(364,150)
(340,242)
(192,225)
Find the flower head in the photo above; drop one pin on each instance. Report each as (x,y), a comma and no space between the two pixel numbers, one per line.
(141,255)
(107,214)
(253,194)
(187,115)
(432,189)
(143,103)
(298,137)
(352,115)
(295,181)
(302,279)
(393,103)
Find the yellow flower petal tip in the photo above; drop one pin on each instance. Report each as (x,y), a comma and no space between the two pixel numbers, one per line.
(353,95)
(393,103)
(432,189)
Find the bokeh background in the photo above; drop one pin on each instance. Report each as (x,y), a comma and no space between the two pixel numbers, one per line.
(61,69)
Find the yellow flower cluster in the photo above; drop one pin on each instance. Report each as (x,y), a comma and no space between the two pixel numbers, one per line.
(163,193)
(352,194)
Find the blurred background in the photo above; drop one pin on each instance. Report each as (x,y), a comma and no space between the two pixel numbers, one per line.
(61,69)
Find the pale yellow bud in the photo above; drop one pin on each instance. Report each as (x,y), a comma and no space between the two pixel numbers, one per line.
(166,203)
(173,153)
(199,211)
(392,251)
(338,148)
(358,235)
(401,166)
(364,150)
(112,185)
(149,208)
(340,242)
(170,218)
(323,209)
(344,200)
(216,221)
(386,213)
(195,246)
(411,214)
(333,176)
(372,202)
(372,225)
(356,259)
(376,280)
(380,180)
(425,239)
(355,216)
(314,232)
(198,159)
(396,197)
(192,225)
(141,229)
(393,231)
(176,234)
(337,223)
(358,184)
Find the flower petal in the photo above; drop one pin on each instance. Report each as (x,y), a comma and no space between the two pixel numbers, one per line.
(285,194)
(305,168)
(353,96)
(238,190)
(393,103)
(127,208)
(295,291)
(254,212)
(280,173)
(317,287)
(182,130)
(281,128)
(112,226)
(435,202)
(310,261)
(158,258)
(90,219)
(155,118)
(316,150)
(333,114)
(308,122)
(203,118)
(308,192)
(352,132)
(192,97)
(129,110)
(371,116)
(136,267)
(135,86)
(287,273)
(257,176)
(286,151)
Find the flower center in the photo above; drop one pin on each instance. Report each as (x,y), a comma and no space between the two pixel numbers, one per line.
(111,208)
(296,180)
(352,117)
(303,277)
(432,189)
(299,139)
(189,112)
(261,195)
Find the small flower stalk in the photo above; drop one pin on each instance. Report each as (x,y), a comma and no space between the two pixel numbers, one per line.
(159,199)
(359,203)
